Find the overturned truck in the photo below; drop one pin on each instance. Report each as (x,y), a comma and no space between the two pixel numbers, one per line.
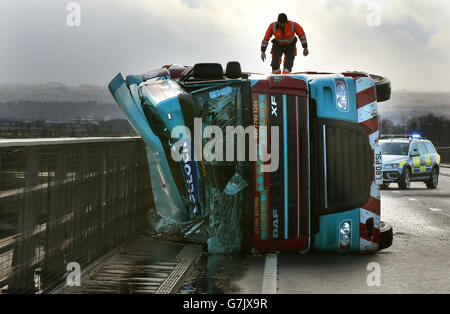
(262,162)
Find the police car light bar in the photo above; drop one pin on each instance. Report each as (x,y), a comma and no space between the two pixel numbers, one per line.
(414,136)
(392,136)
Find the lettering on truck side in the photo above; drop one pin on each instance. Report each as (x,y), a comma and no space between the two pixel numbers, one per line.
(378,165)
(190,187)
(274,106)
(275,232)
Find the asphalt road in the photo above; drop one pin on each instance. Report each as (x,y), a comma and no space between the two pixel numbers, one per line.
(417,262)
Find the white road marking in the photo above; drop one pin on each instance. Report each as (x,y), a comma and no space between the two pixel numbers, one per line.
(270,274)
(412,199)
(438,210)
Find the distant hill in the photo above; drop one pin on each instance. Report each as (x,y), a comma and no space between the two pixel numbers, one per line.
(405,104)
(59,111)
(54,92)
(56,101)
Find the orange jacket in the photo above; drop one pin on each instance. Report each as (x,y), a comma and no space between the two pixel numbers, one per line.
(285,37)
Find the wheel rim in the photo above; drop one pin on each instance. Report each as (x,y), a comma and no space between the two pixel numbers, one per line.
(407,179)
(435,177)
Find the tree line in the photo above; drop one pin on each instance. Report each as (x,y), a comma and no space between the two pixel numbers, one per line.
(434,128)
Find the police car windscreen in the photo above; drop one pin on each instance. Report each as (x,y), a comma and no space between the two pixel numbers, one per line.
(395,148)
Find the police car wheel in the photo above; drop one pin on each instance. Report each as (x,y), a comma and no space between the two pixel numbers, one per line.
(405,180)
(386,235)
(382,86)
(433,182)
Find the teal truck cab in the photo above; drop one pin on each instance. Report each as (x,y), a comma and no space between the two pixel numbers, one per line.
(319,187)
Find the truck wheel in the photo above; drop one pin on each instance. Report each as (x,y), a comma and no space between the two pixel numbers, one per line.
(433,182)
(383,87)
(384,186)
(405,180)
(386,235)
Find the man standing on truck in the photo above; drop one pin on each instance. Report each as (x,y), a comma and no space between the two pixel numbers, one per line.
(284,43)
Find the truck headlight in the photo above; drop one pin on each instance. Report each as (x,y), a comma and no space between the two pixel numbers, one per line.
(391,166)
(341,96)
(345,234)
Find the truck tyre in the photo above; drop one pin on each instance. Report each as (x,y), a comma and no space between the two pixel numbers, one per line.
(386,235)
(233,70)
(405,179)
(433,182)
(383,87)
(208,71)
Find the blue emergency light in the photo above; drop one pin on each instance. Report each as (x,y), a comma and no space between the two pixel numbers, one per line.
(416,136)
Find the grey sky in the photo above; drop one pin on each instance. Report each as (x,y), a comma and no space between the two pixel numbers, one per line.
(411,45)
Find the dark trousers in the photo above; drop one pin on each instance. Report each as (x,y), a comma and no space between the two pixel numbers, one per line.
(289,52)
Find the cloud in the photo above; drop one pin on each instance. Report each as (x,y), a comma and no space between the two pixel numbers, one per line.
(194,4)
(411,44)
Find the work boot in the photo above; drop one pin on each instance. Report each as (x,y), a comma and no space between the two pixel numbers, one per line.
(278,71)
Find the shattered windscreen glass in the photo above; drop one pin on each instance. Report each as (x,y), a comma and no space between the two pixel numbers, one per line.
(158,91)
(222,107)
(222,182)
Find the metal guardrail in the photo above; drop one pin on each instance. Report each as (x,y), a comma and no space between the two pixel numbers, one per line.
(445,154)
(67,200)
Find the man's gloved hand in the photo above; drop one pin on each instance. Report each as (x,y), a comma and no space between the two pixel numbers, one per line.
(305,52)
(263,56)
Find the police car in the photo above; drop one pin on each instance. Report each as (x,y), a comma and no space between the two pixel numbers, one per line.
(409,158)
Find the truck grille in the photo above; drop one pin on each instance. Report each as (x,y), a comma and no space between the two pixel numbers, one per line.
(347,170)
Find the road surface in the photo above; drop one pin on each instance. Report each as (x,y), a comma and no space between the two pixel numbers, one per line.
(417,262)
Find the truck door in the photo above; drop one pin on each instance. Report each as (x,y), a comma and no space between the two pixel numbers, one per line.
(280,199)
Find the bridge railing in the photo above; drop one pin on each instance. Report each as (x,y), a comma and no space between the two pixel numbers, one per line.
(67,201)
(445,154)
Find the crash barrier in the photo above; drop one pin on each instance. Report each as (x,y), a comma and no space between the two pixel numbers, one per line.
(64,203)
(445,154)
